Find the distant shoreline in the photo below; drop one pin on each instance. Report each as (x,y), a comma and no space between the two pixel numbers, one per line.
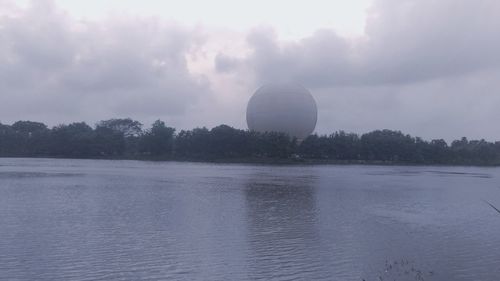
(267,161)
(126,139)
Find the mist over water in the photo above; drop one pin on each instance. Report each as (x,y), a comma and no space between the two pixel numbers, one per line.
(128,220)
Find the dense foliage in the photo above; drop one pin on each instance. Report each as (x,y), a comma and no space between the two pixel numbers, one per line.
(126,139)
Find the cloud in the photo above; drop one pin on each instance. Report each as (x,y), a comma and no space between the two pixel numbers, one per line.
(405,42)
(54,68)
(412,41)
(426,67)
(448,108)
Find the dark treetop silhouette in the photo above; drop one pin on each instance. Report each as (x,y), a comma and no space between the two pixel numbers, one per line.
(126,139)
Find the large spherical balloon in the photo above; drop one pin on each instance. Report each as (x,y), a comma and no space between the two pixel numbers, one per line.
(286,108)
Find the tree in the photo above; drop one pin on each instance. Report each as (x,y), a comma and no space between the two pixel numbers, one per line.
(437,152)
(127,126)
(227,142)
(74,140)
(29,127)
(345,146)
(387,145)
(125,138)
(108,142)
(193,143)
(129,130)
(313,147)
(158,141)
(31,138)
(8,142)
(277,145)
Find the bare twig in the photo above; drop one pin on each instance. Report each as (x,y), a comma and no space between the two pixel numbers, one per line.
(491,205)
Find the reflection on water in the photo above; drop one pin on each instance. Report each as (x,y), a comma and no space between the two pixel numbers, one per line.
(404,172)
(14,174)
(127,220)
(282,232)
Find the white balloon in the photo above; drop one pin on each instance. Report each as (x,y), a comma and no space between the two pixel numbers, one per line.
(286,108)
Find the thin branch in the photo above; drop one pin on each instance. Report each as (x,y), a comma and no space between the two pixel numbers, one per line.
(491,205)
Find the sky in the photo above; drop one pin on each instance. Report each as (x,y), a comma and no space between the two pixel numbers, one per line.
(428,68)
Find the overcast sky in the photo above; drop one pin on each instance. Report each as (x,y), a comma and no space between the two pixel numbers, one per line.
(429,68)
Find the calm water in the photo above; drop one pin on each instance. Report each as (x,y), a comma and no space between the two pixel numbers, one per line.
(127,220)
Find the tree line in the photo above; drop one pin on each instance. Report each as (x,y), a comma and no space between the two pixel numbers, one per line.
(127,139)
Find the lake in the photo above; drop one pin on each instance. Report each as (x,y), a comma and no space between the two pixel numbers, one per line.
(132,220)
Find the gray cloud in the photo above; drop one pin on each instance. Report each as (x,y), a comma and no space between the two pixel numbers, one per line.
(449,108)
(412,41)
(56,69)
(425,67)
(405,42)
